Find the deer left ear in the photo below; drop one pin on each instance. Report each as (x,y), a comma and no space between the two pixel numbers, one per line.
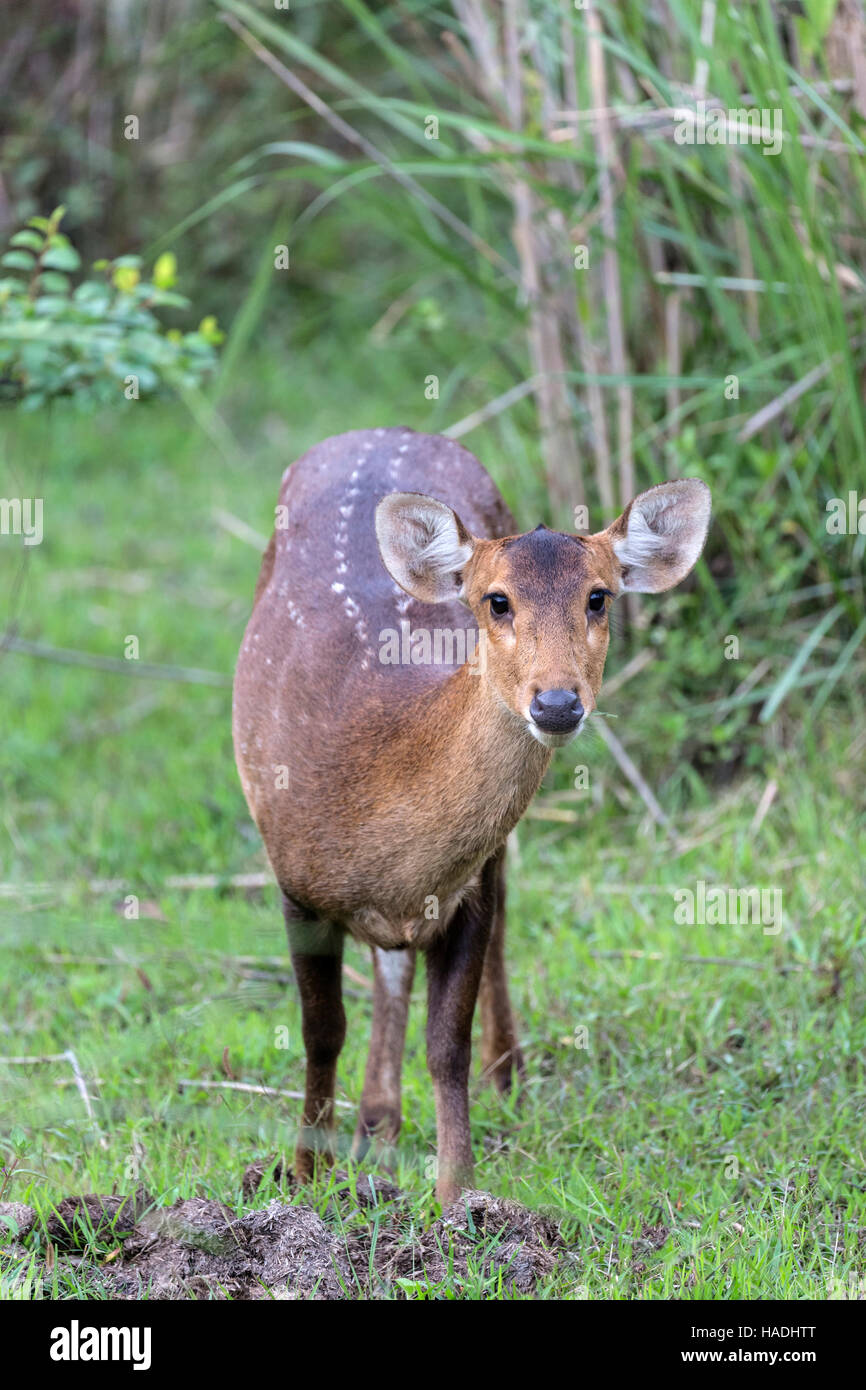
(660,535)
(424,545)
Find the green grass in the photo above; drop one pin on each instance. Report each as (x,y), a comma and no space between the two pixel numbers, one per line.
(706,1142)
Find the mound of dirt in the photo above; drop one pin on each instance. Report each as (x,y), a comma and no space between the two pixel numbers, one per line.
(485,1233)
(76,1220)
(200,1249)
(22,1217)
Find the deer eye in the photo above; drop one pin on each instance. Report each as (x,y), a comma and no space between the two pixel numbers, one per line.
(596,600)
(499,604)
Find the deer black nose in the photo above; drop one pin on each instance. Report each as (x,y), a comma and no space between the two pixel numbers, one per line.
(556,711)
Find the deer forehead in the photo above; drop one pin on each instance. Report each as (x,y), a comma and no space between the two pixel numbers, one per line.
(543,565)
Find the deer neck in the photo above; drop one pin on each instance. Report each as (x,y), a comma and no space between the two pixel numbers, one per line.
(492,765)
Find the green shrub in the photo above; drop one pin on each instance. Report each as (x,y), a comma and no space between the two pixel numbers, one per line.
(98,341)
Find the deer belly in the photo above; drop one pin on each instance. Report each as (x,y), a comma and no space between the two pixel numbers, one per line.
(377,928)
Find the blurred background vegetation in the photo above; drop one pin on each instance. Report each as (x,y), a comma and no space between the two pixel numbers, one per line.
(492,195)
(489,193)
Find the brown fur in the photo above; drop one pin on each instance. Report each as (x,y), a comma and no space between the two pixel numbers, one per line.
(404,780)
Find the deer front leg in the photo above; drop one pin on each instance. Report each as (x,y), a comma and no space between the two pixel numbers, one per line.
(454,965)
(317,960)
(500,1053)
(380,1116)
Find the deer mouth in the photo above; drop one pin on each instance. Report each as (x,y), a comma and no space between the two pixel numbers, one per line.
(548,739)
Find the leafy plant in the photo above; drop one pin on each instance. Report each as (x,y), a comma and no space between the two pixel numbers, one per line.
(98,341)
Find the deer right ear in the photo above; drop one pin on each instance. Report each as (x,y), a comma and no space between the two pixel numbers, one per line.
(660,535)
(423,544)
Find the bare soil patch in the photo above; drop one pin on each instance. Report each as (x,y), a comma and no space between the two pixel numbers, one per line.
(201,1249)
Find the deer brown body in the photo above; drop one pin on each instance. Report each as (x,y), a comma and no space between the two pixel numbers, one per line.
(383,791)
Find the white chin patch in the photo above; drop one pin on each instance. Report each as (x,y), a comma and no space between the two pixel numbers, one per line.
(553,740)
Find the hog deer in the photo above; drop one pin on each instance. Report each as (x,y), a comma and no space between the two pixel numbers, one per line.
(384,790)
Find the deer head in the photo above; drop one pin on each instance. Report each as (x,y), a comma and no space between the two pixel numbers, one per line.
(542,599)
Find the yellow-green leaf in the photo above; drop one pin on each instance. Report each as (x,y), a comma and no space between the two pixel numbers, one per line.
(210,330)
(165,271)
(125,278)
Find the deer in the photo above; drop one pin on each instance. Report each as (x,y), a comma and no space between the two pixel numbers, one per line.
(385,790)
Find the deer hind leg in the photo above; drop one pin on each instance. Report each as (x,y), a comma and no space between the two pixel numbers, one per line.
(380,1117)
(454,965)
(317,960)
(501,1056)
